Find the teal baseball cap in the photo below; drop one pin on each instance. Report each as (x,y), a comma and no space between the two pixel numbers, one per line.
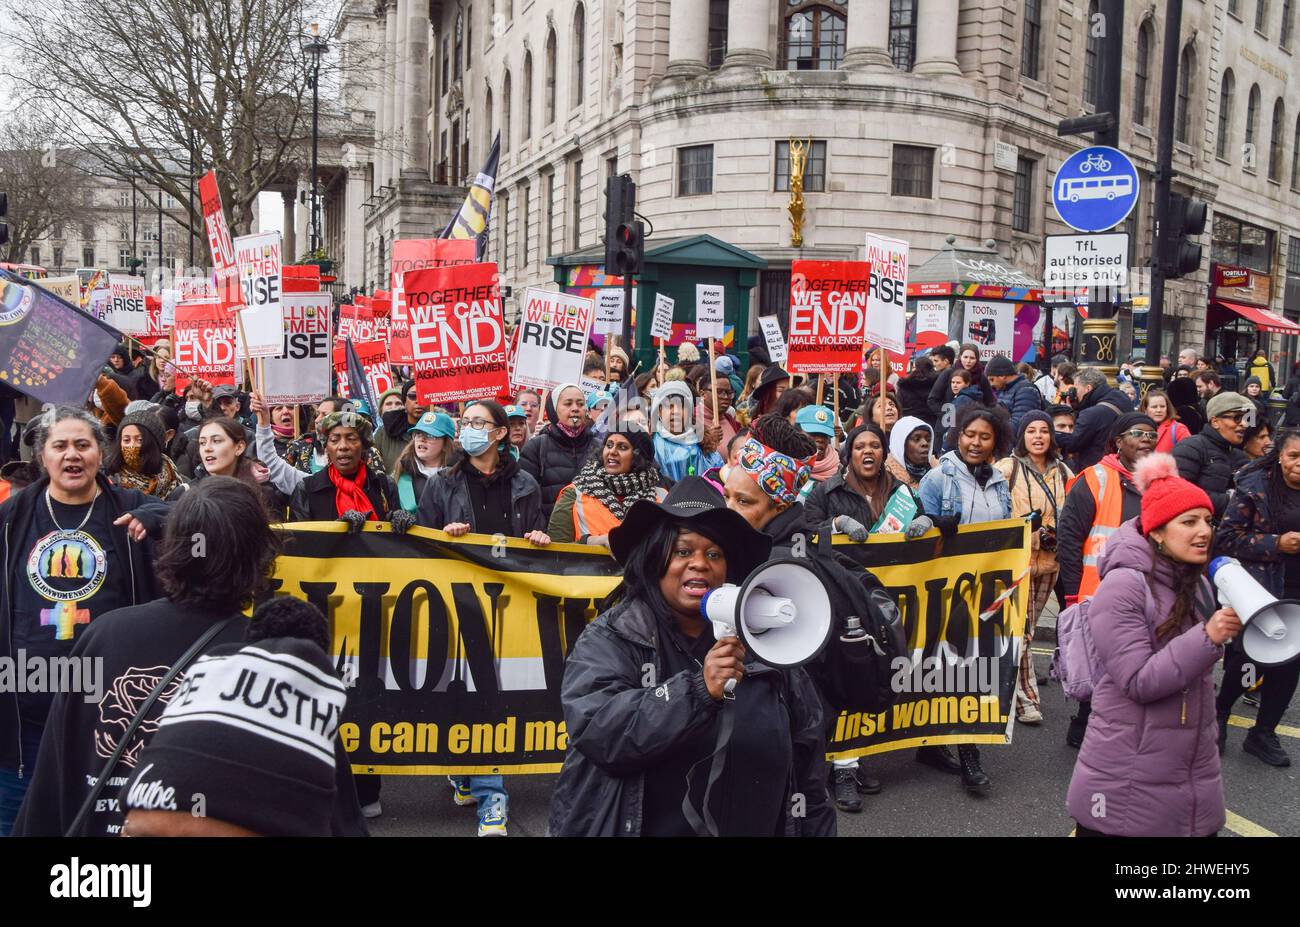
(515,412)
(816,420)
(435,424)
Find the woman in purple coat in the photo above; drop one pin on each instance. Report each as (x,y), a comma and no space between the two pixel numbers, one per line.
(1149,765)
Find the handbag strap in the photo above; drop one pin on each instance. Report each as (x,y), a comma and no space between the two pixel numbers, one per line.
(176,668)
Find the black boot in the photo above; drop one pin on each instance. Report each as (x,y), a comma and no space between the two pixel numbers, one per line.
(973,778)
(939,757)
(846,791)
(867,784)
(1078,726)
(1265,746)
(1222,718)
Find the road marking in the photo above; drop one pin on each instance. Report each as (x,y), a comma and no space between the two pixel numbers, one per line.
(1043,650)
(1240,826)
(1285,730)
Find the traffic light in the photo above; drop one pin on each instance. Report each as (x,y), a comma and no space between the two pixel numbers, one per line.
(629,251)
(620,205)
(4,228)
(1185,220)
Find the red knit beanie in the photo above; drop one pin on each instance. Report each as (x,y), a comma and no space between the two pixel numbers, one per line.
(1165,495)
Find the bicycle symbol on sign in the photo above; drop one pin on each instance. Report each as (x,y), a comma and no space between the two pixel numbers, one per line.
(1098,161)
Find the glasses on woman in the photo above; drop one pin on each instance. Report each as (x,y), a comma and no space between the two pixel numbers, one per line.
(1139,434)
(412,396)
(482,424)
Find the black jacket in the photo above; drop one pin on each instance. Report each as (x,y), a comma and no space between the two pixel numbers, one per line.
(446,501)
(914,396)
(1075,521)
(16,515)
(941,392)
(1092,424)
(313,500)
(618,727)
(835,497)
(1209,461)
(552,458)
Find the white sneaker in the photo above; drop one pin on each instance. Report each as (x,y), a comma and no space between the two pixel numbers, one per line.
(1031,715)
(372,810)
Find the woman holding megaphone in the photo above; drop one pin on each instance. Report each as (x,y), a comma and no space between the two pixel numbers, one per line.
(1261,528)
(657,745)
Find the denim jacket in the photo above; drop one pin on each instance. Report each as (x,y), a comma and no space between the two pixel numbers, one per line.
(951,489)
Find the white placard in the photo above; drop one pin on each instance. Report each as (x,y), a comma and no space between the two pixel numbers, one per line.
(771,327)
(1086,260)
(661,326)
(990,325)
(302,371)
(167,316)
(260,259)
(887,297)
(710,309)
(553,331)
(126,310)
(932,316)
(609,311)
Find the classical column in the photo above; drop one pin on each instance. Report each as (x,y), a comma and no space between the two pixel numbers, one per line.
(867,36)
(415,90)
(688,38)
(748,41)
(290,231)
(401,88)
(936,39)
(380,65)
(354,246)
(392,132)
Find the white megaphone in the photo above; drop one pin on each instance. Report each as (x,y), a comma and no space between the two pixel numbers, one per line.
(1272,625)
(781,613)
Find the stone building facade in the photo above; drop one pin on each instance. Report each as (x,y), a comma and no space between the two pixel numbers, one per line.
(928,118)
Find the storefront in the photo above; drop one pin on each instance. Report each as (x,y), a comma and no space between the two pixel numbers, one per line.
(1240,315)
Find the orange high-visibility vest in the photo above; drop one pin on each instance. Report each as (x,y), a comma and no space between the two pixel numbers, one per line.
(591,517)
(5,488)
(1108,499)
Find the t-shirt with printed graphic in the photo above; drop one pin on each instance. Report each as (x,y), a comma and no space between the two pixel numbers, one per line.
(64,578)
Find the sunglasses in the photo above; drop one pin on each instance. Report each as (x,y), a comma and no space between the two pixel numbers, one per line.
(412,396)
(1233,416)
(1139,434)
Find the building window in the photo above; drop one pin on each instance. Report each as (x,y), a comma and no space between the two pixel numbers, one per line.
(36,255)
(1295,156)
(1248,153)
(548,192)
(579,53)
(1183,105)
(123,257)
(902,33)
(1142,74)
(1293,257)
(548,102)
(87,257)
(458,55)
(813,36)
(695,170)
(88,232)
(1275,144)
(446,63)
(1226,91)
(1241,244)
(487,113)
(124,198)
(505,113)
(444,169)
(575,204)
(528,96)
(1261,16)
(1023,201)
(913,173)
(124,232)
(58,257)
(1284,37)
(814,176)
(1091,57)
(524,235)
(717,33)
(505,232)
(1030,38)
(1234,7)
(469,36)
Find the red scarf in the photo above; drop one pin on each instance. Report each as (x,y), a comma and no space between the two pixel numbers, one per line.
(1112,461)
(350,493)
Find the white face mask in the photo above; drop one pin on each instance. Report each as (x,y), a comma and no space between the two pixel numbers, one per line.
(191,408)
(99,403)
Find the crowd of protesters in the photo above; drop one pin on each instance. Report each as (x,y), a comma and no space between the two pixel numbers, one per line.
(711,469)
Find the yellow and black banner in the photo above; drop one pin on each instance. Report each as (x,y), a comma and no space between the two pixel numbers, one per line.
(454,649)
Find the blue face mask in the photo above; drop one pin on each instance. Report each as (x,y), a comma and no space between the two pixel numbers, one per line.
(474,440)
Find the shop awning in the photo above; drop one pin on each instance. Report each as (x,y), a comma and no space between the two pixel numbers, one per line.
(1262,319)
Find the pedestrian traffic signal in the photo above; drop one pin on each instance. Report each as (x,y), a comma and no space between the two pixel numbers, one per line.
(4,228)
(1185,220)
(620,205)
(629,250)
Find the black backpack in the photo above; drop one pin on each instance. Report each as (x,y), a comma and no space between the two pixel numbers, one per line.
(855,674)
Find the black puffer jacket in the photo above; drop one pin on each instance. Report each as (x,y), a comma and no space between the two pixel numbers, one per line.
(914,396)
(619,727)
(1096,415)
(835,497)
(313,500)
(552,458)
(446,500)
(1209,461)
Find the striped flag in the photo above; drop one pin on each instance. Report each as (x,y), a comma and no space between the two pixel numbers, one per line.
(472,219)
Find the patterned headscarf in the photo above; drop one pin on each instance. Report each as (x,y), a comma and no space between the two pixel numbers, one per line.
(779,475)
(349,420)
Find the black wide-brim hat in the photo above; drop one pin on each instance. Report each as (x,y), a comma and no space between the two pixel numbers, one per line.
(772,375)
(694,501)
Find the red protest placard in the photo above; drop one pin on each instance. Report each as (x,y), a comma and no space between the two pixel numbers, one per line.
(417,254)
(828,315)
(224,270)
(204,343)
(356,323)
(301,278)
(457,335)
(373,356)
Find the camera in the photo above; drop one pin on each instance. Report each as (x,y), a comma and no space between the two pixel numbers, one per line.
(1047,539)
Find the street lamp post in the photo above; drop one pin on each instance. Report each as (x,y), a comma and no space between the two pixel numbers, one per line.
(316,48)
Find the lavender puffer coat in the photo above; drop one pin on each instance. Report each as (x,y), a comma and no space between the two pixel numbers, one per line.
(1149,765)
